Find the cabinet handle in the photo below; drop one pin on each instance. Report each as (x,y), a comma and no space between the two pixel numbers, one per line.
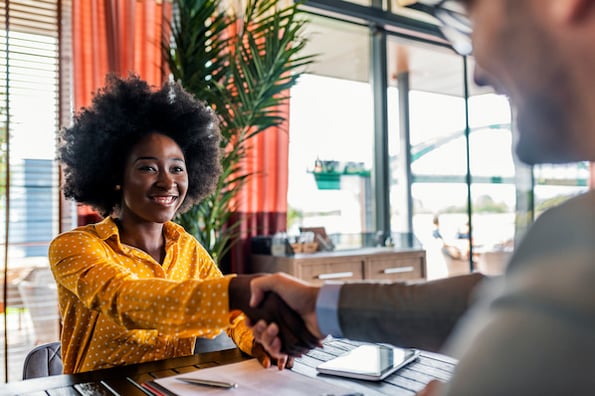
(398,270)
(335,275)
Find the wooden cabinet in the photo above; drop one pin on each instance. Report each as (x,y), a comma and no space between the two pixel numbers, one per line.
(350,265)
(402,265)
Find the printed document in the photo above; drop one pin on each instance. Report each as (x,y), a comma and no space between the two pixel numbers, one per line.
(252,379)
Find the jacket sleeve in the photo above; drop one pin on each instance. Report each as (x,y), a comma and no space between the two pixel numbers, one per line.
(420,315)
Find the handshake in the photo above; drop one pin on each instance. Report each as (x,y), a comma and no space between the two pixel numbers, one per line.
(278,302)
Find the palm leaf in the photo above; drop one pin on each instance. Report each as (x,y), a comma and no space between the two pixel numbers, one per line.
(245,77)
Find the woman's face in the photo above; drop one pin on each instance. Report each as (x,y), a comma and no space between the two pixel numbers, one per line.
(155,180)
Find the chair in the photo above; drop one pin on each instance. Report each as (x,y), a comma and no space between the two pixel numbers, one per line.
(219,343)
(14,299)
(40,296)
(493,262)
(456,263)
(43,360)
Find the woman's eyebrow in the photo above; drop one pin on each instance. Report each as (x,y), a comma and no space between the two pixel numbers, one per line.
(145,158)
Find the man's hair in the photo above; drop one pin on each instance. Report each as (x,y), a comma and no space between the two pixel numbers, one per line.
(94,149)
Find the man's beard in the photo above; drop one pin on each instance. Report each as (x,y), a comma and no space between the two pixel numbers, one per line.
(544,131)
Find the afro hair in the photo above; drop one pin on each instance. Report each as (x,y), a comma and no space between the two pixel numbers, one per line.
(94,149)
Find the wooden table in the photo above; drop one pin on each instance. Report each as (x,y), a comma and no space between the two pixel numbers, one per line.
(123,380)
(126,380)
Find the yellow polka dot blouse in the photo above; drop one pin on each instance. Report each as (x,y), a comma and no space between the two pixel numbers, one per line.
(119,306)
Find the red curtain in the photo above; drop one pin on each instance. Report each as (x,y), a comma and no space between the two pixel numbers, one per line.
(263,201)
(119,36)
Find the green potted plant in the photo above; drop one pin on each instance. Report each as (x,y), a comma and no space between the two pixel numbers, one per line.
(242,64)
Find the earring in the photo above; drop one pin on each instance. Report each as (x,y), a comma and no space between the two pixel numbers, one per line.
(118,187)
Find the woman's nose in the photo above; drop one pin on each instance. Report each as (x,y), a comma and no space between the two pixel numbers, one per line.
(165,180)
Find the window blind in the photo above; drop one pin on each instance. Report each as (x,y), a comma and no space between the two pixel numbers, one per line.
(30,115)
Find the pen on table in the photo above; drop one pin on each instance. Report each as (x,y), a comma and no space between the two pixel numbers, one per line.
(205,382)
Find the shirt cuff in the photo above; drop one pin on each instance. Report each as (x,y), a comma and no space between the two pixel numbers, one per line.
(327,309)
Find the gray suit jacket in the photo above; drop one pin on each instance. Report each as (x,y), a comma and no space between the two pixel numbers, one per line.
(410,315)
(533,332)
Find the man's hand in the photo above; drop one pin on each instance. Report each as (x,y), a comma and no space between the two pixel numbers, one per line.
(294,337)
(300,297)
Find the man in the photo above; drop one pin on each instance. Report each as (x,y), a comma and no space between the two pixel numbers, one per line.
(531,332)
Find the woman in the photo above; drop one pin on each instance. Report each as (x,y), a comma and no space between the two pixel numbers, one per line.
(136,287)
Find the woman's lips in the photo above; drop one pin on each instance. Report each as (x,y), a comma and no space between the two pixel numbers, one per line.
(165,200)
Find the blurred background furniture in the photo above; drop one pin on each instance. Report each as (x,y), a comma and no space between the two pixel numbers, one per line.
(493,262)
(40,297)
(43,360)
(395,264)
(13,296)
(456,262)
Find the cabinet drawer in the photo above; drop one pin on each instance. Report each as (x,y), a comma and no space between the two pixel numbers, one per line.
(339,271)
(393,268)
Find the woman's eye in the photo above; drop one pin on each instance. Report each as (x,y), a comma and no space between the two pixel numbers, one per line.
(177,169)
(147,168)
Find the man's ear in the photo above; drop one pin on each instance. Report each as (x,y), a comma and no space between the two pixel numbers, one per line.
(570,11)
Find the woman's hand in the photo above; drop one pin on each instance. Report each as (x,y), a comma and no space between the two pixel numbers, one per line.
(266,360)
(267,335)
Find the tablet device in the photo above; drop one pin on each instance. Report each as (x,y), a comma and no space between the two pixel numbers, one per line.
(372,362)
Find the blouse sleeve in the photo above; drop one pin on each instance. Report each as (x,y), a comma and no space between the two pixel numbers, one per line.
(87,268)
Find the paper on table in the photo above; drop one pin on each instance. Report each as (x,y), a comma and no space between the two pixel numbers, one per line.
(252,379)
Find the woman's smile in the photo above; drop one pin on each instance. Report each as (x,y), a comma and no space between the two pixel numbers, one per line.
(165,200)
(155,180)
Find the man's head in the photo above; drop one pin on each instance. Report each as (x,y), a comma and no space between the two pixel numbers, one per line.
(540,53)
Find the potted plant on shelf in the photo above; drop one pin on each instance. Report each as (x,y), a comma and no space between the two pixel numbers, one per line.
(242,64)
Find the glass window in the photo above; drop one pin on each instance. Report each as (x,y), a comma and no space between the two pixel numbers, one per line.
(331,136)
(555,184)
(463,194)
(29,78)
(438,152)
(493,191)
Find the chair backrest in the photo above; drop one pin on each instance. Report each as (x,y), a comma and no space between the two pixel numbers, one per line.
(43,360)
(41,302)
(40,297)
